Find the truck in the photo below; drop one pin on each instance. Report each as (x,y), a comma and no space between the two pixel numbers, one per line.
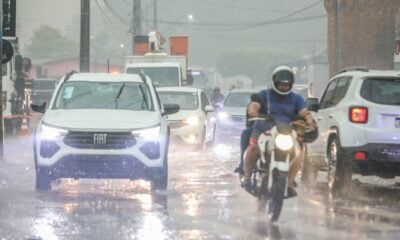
(16,91)
(163,69)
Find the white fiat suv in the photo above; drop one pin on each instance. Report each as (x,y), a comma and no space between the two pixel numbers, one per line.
(101,125)
(358,119)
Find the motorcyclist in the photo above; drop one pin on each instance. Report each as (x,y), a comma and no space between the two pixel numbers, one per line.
(283,105)
(252,111)
(216,97)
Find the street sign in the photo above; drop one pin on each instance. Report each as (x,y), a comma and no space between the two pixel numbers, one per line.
(7,52)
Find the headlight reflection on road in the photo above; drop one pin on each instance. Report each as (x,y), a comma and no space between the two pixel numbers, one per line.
(191,203)
(151,228)
(44,226)
(222,150)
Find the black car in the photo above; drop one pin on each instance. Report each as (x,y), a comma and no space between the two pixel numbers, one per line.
(42,90)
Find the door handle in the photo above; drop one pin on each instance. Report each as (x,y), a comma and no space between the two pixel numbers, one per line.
(330,116)
(319,118)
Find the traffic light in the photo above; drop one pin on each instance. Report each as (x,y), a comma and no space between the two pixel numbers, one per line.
(9,11)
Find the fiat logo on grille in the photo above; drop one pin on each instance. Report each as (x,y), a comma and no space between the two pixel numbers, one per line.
(100,138)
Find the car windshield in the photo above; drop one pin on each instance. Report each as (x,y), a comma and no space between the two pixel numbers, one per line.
(237,99)
(103,95)
(381,91)
(186,100)
(161,76)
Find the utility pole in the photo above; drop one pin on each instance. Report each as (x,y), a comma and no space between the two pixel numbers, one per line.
(84,59)
(1,85)
(136,21)
(336,10)
(155,15)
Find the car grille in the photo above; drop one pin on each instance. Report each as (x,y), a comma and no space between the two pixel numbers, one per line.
(100,140)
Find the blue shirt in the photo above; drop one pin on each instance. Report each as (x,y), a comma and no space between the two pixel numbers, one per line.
(283,107)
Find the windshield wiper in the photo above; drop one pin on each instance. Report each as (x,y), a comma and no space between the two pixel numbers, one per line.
(144,96)
(118,95)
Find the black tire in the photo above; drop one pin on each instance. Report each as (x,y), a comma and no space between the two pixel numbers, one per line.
(159,178)
(277,195)
(309,171)
(339,171)
(43,180)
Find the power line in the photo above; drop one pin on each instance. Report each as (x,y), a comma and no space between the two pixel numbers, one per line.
(238,7)
(203,26)
(106,20)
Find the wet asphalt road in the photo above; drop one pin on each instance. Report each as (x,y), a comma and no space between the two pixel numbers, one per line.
(204,201)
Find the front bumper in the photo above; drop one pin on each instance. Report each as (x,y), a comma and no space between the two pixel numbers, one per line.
(229,132)
(64,157)
(381,159)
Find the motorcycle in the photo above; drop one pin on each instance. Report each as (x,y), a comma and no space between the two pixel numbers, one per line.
(278,146)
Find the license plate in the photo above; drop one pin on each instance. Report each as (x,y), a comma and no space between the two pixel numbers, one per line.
(100,139)
(397,123)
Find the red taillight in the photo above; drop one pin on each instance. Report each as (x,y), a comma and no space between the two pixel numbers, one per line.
(360,156)
(358,114)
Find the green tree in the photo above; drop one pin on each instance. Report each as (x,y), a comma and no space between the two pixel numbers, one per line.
(48,42)
(253,62)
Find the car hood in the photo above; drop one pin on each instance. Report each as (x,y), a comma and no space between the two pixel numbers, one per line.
(235,111)
(182,114)
(101,119)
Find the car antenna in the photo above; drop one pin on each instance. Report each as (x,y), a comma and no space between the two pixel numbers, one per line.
(108,65)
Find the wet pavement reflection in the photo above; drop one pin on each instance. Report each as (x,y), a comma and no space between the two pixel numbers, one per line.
(203,201)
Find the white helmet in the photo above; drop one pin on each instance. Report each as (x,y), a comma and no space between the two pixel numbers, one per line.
(282,74)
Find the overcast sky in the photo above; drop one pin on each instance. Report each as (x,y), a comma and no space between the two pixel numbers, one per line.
(214,26)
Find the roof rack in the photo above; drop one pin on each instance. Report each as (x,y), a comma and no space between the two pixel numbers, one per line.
(354,68)
(69,74)
(143,77)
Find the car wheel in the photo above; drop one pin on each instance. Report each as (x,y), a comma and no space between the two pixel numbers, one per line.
(159,178)
(339,171)
(202,144)
(309,171)
(43,180)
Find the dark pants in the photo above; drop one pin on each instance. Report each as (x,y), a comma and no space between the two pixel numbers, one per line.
(244,142)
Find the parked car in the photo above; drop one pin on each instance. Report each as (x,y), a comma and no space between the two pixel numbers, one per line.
(358,118)
(42,90)
(101,125)
(193,123)
(231,117)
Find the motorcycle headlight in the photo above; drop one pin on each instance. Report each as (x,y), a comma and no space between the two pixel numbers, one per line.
(152,133)
(223,115)
(52,133)
(284,142)
(192,121)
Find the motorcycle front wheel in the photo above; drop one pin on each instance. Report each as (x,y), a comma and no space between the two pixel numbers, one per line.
(277,194)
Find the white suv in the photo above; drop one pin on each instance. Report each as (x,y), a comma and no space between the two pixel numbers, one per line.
(101,125)
(358,118)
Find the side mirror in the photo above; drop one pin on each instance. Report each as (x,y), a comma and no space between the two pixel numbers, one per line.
(39,108)
(170,108)
(312,104)
(209,108)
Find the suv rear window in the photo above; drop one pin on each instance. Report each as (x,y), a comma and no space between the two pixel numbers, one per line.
(381,91)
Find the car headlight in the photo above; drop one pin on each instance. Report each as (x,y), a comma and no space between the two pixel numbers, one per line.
(192,121)
(149,134)
(223,115)
(52,133)
(284,142)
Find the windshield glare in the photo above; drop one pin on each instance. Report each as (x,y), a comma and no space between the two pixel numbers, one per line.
(240,99)
(104,95)
(186,100)
(161,76)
